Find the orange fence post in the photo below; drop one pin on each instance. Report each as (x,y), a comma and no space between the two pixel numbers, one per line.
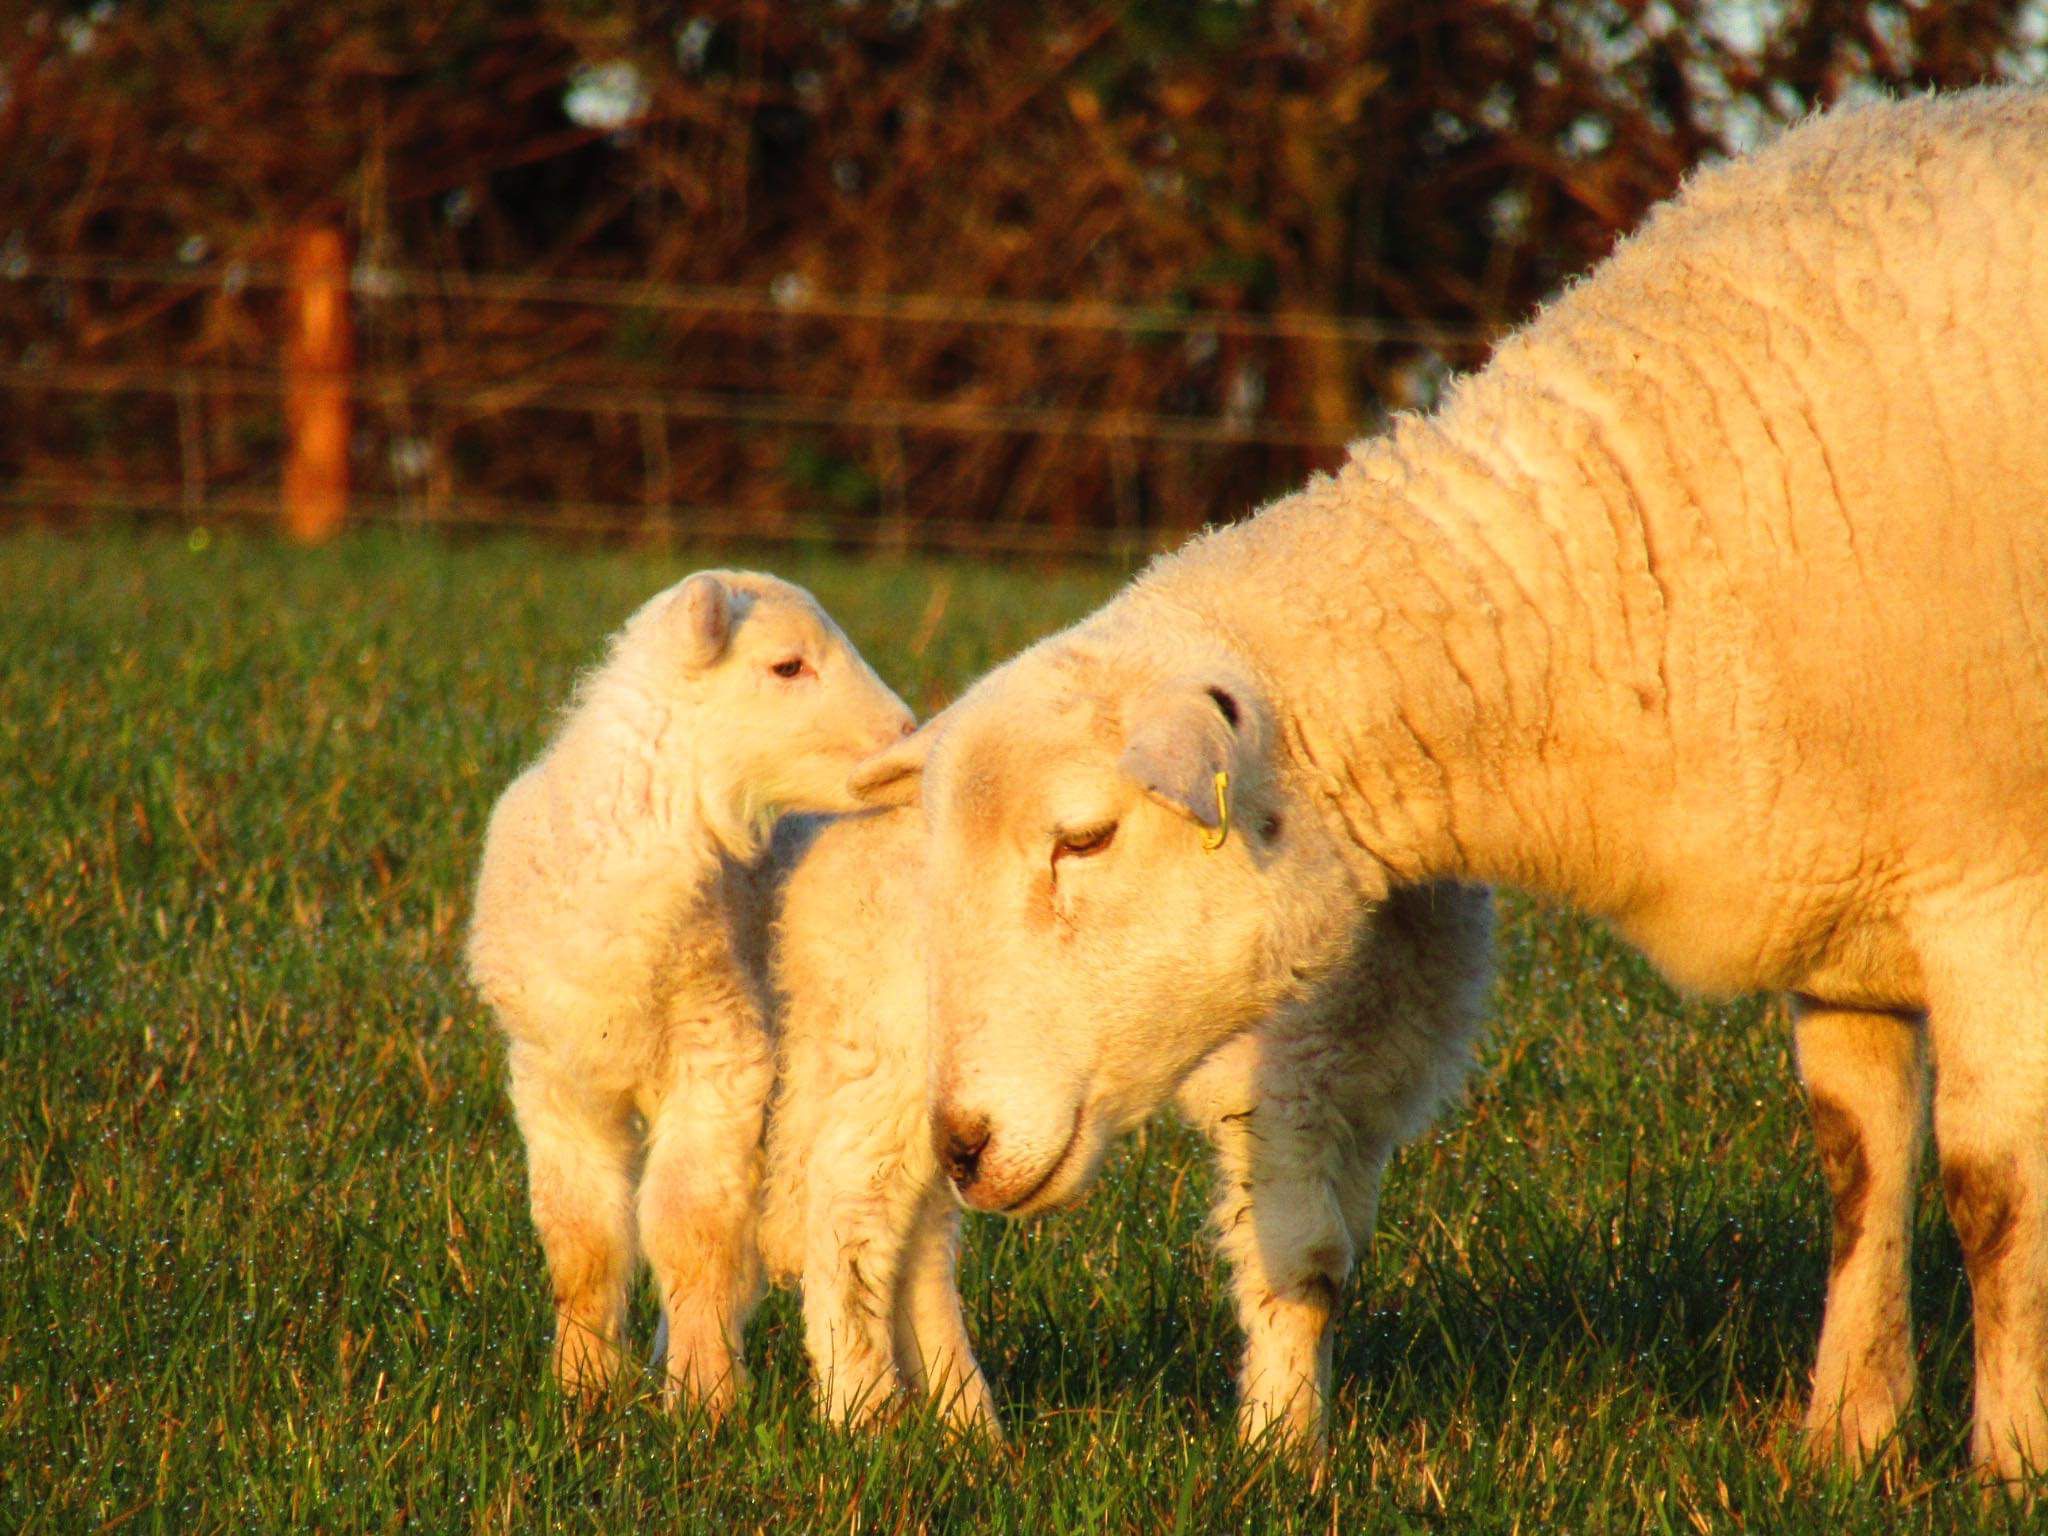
(319,357)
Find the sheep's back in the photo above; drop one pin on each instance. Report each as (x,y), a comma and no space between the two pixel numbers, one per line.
(1799,425)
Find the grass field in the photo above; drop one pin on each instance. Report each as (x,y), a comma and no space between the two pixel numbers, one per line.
(265,1263)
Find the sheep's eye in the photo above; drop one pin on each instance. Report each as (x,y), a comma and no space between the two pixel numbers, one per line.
(794,667)
(1082,845)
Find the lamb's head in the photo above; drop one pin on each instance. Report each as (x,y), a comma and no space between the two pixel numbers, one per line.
(1125,872)
(780,704)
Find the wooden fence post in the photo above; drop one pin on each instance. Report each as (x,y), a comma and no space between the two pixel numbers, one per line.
(319,356)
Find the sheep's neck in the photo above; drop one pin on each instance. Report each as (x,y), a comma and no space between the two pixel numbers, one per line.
(1474,708)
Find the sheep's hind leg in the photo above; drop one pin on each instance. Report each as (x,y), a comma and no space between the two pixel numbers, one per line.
(579,1158)
(1865,1084)
(933,1352)
(1987,981)
(699,1202)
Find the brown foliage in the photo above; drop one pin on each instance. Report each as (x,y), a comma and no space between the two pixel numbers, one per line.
(1436,166)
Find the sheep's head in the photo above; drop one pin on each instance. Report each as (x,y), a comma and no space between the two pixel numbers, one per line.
(781,705)
(1122,876)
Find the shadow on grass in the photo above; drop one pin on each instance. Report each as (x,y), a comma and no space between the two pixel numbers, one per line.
(1706,1299)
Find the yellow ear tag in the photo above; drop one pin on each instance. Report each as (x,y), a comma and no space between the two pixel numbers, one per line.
(1211,841)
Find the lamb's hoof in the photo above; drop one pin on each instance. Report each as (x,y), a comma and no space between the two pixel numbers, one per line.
(585,1369)
(1294,1437)
(977,1425)
(1851,1438)
(707,1389)
(867,1412)
(2007,1473)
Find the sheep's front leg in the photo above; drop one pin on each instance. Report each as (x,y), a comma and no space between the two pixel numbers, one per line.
(1865,1085)
(1289,1258)
(933,1352)
(699,1201)
(1988,1022)
(1279,1222)
(859,1223)
(579,1161)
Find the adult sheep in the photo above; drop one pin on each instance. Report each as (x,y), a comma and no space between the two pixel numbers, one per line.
(1716,604)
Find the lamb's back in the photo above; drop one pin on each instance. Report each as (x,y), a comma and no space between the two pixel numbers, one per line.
(848,986)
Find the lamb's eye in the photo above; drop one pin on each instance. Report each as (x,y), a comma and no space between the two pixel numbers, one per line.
(794,667)
(1082,845)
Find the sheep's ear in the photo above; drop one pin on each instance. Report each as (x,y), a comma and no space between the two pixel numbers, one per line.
(894,775)
(1180,738)
(702,615)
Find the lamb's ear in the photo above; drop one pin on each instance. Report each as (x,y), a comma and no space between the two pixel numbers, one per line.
(701,612)
(894,775)
(1180,738)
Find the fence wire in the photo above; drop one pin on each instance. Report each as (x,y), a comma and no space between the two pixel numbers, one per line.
(794,298)
(195,423)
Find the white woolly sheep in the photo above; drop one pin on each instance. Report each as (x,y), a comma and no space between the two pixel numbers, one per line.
(1302,1115)
(1716,604)
(602,941)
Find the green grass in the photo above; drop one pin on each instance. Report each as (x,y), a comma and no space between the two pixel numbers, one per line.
(264,1257)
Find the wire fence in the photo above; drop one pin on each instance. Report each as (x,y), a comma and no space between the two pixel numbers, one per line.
(663,410)
(779,268)
(794,298)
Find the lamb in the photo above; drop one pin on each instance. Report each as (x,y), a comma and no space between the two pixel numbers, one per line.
(603,942)
(1302,1115)
(1715,604)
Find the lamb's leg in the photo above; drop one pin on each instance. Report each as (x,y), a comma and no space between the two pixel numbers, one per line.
(1278,1221)
(1357,1184)
(1865,1085)
(699,1200)
(933,1352)
(859,1221)
(1290,1256)
(1988,1021)
(579,1160)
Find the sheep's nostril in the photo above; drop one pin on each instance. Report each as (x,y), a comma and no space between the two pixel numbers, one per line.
(908,727)
(961,1143)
